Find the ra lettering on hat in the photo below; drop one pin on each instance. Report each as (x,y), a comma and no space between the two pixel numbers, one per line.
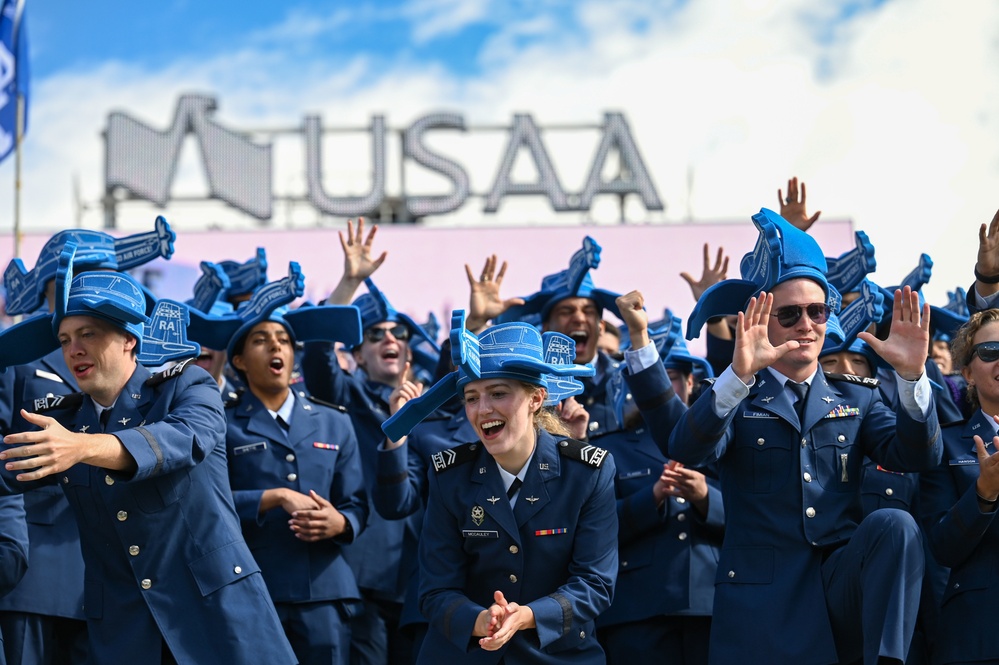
(507,350)
(95,250)
(573,282)
(782,253)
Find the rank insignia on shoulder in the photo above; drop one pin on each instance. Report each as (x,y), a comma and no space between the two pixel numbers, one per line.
(582,452)
(853,378)
(316,400)
(170,373)
(53,402)
(452,457)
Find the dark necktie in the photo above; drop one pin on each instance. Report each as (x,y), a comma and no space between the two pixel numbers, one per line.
(514,486)
(281,421)
(800,390)
(104,418)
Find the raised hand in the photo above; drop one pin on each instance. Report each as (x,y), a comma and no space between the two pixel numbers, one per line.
(710,274)
(575,417)
(792,207)
(987,485)
(908,340)
(988,256)
(753,350)
(358,263)
(485,302)
(632,308)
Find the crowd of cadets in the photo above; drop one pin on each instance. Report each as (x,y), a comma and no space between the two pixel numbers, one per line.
(846,519)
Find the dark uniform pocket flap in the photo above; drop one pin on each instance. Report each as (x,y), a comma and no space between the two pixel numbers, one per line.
(968,579)
(746,565)
(223,566)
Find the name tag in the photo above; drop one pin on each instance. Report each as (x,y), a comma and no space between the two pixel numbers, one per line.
(469,533)
(42,374)
(250,448)
(759,414)
(640,473)
(962,462)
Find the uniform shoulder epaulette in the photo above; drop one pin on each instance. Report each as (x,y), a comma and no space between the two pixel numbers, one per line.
(55,402)
(582,452)
(338,407)
(708,381)
(452,457)
(169,373)
(232,398)
(853,378)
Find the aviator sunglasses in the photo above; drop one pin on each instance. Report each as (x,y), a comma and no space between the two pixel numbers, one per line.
(375,335)
(987,351)
(788,315)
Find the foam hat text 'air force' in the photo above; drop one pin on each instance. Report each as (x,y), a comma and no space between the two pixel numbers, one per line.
(94,250)
(508,351)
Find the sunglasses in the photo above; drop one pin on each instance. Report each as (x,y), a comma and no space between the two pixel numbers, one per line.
(987,351)
(788,315)
(375,335)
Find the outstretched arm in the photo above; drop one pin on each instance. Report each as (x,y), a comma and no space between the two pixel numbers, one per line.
(358,263)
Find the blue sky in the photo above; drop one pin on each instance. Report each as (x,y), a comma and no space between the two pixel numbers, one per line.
(888,109)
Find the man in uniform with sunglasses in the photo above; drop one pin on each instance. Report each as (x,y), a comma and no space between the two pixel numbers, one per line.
(383,360)
(790,441)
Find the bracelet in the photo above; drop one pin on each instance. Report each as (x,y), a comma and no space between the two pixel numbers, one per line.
(986,279)
(990,502)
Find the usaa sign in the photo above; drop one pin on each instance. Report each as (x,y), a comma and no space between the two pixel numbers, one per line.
(142,161)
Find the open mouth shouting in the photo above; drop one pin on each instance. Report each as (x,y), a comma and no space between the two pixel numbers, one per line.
(276,365)
(492,428)
(82,370)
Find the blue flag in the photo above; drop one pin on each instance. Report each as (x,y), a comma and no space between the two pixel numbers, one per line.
(13,71)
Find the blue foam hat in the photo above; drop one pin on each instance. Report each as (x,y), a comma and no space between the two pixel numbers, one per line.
(842,328)
(95,250)
(681,359)
(560,349)
(508,350)
(245,278)
(847,271)
(944,321)
(573,282)
(782,253)
(375,308)
(307,323)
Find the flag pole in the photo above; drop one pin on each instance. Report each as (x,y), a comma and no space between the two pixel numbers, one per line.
(18,126)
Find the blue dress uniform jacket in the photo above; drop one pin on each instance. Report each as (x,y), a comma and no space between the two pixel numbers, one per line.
(555,551)
(668,557)
(318,452)
(53,586)
(376,555)
(966,539)
(402,489)
(791,495)
(165,559)
(13,544)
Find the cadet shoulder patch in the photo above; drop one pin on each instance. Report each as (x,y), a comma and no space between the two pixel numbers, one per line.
(452,457)
(853,378)
(170,373)
(582,452)
(56,402)
(316,400)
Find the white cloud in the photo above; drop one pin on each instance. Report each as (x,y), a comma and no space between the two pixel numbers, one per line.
(891,124)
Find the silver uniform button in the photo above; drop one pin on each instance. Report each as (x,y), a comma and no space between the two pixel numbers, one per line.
(810,512)
(65,480)
(513,578)
(582,634)
(238,570)
(680,499)
(292,477)
(841,438)
(514,549)
(889,491)
(760,441)
(108,480)
(807,477)
(146,583)
(804,443)
(289,457)
(731,573)
(683,536)
(624,564)
(133,550)
(594,425)
(122,516)
(681,517)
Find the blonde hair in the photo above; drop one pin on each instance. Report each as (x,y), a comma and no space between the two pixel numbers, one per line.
(545,417)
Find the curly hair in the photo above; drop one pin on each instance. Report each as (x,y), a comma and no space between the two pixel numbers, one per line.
(963,345)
